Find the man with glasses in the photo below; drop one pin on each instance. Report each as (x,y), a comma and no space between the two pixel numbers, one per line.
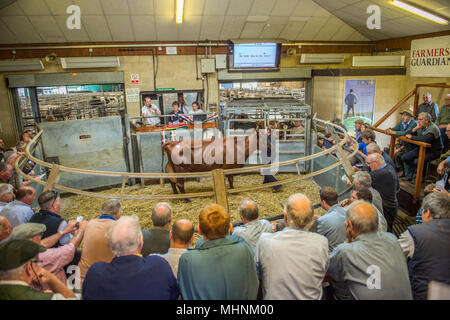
(53,259)
(19,271)
(425,131)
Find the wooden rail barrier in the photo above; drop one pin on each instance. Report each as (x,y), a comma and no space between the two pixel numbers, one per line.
(220,190)
(422,145)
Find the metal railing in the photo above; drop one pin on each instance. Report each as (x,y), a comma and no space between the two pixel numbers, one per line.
(220,190)
(422,145)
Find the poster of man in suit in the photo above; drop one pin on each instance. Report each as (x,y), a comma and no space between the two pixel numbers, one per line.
(359,101)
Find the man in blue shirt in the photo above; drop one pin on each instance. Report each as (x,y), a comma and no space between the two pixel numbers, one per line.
(19,211)
(129,276)
(332,224)
(219,269)
(371,264)
(252,227)
(358,130)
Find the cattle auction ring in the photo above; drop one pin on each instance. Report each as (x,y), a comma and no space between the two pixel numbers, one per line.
(219,192)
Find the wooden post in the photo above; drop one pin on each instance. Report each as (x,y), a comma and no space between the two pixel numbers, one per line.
(52,178)
(124,181)
(416,101)
(418,183)
(220,188)
(392,147)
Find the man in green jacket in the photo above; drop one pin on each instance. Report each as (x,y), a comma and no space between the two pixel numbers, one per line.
(221,268)
(19,269)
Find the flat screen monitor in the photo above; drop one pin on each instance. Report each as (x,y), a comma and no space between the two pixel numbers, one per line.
(258,56)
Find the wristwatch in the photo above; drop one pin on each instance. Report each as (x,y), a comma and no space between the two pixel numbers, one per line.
(61,233)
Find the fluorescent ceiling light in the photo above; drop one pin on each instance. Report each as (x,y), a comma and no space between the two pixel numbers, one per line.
(419,12)
(21,65)
(378,61)
(179,12)
(90,62)
(321,58)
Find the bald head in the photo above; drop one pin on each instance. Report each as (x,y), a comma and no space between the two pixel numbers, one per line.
(299,211)
(182,232)
(161,215)
(363,217)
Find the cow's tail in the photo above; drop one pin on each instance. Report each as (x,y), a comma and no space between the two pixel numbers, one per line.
(161,181)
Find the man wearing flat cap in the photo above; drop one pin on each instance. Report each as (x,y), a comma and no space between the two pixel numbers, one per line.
(402,128)
(19,270)
(53,259)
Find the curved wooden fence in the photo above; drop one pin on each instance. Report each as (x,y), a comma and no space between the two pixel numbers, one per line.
(220,191)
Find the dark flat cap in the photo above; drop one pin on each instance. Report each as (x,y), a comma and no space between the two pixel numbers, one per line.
(16,252)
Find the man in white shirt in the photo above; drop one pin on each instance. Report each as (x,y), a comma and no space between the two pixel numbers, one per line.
(293,262)
(150,110)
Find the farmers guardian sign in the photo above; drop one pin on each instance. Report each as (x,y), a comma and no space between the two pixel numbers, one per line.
(430,57)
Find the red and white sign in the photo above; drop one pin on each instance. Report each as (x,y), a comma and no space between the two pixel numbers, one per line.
(430,57)
(135,78)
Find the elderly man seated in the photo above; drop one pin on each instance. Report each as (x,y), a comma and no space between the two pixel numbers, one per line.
(293,262)
(156,239)
(429,107)
(129,276)
(364,194)
(53,259)
(402,128)
(95,244)
(362,179)
(19,211)
(425,131)
(6,194)
(19,271)
(219,269)
(252,227)
(426,245)
(371,264)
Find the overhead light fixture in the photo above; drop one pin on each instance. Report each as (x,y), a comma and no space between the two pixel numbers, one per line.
(419,12)
(179,12)
(90,62)
(378,61)
(321,58)
(21,65)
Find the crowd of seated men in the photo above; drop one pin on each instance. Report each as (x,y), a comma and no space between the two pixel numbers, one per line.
(347,253)
(350,252)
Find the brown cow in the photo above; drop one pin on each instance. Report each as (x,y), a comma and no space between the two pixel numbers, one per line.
(182,156)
